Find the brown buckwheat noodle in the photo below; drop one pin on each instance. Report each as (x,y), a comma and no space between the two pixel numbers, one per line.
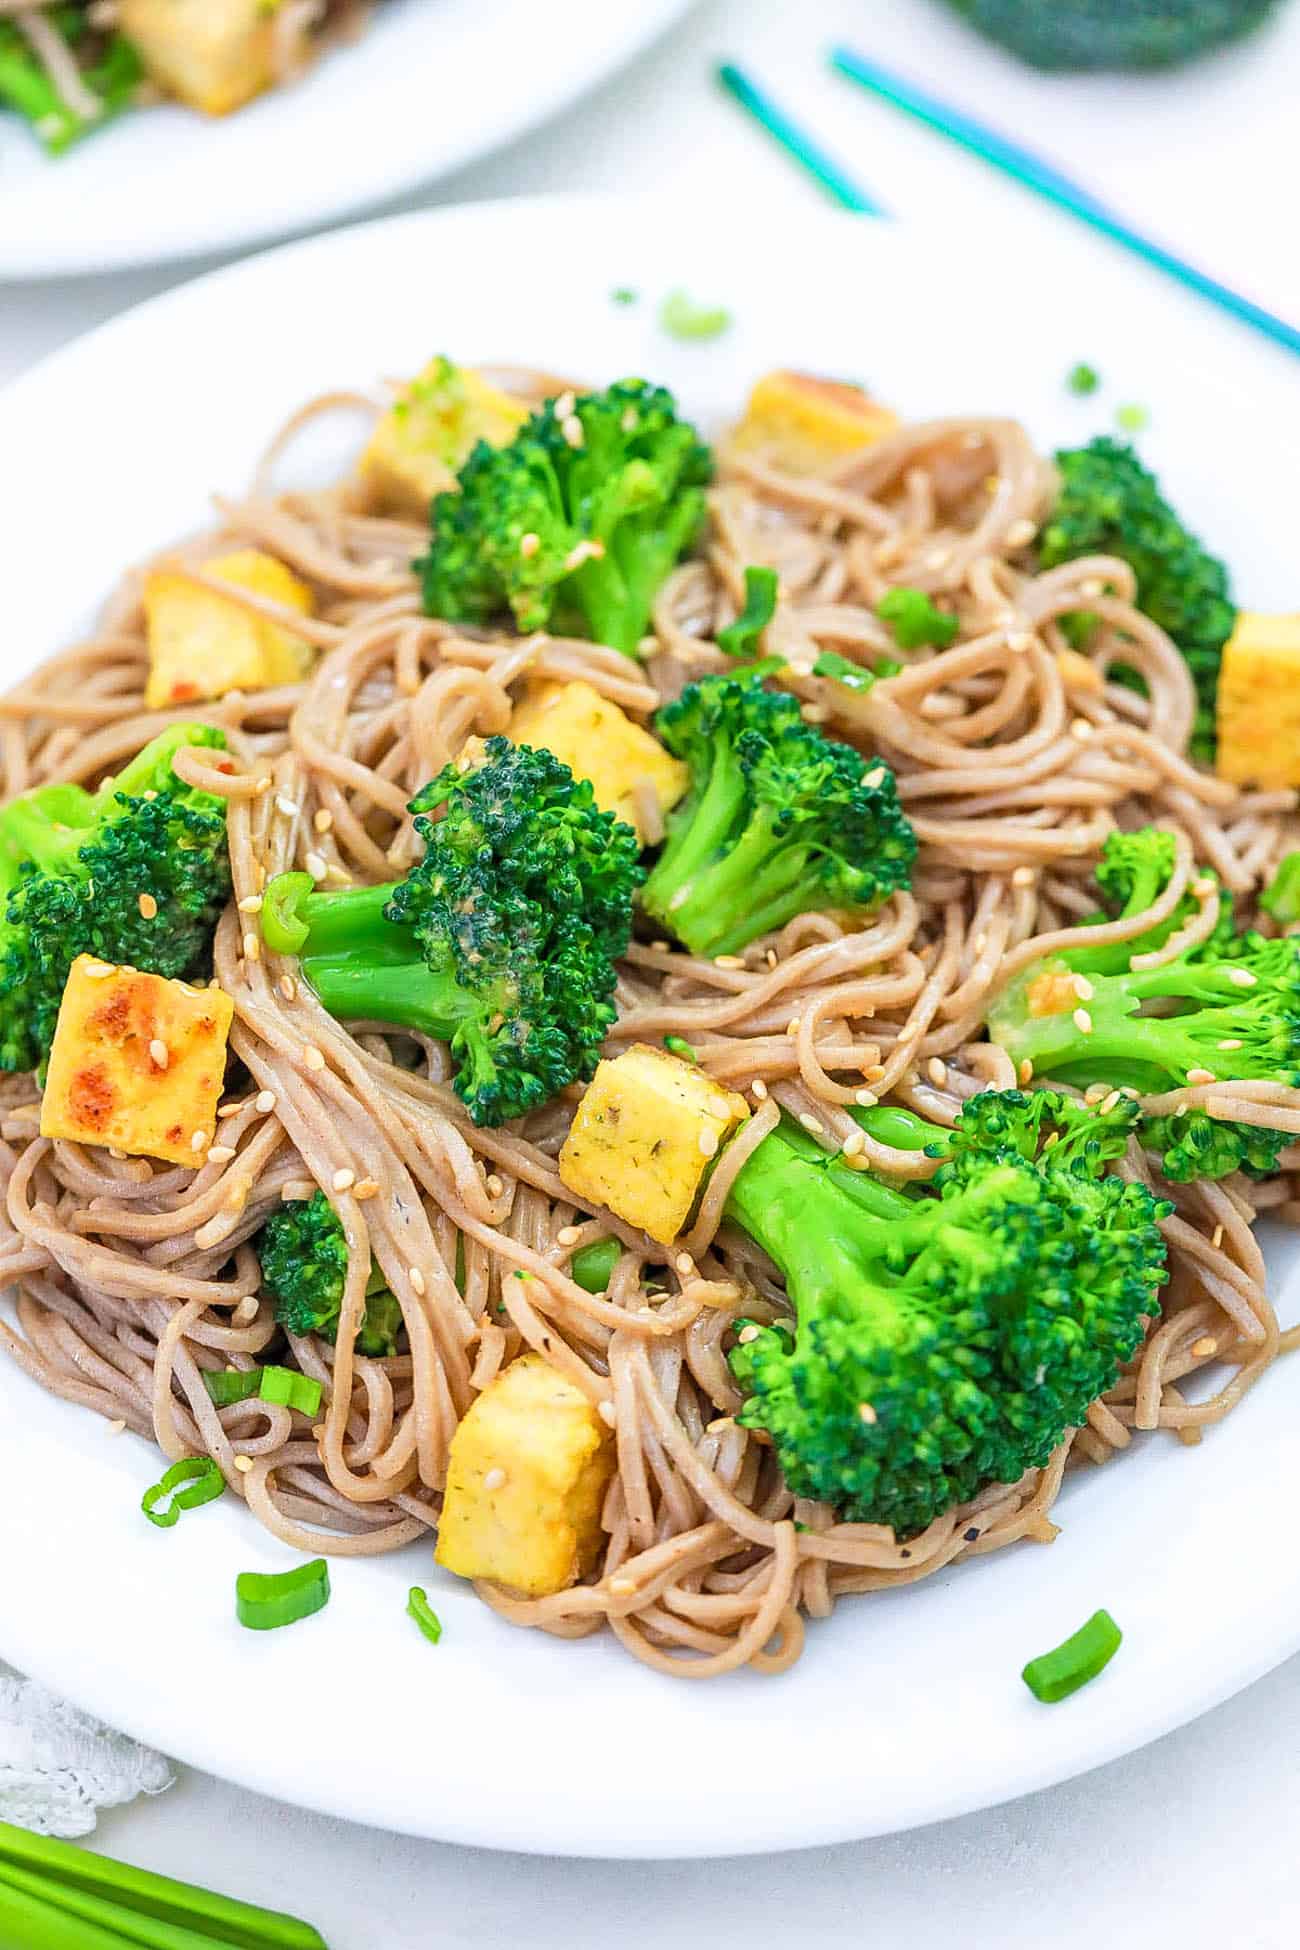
(1014,756)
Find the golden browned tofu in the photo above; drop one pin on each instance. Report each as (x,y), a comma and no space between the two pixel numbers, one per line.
(214,54)
(805,424)
(1259,701)
(526,1478)
(644,1137)
(598,741)
(428,433)
(137,1062)
(201,645)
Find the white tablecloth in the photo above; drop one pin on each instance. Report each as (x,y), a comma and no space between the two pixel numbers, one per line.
(1195,1840)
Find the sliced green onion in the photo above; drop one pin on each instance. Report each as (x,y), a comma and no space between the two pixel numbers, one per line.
(285,1387)
(623,294)
(283,929)
(419,1608)
(854,677)
(264,1601)
(593,1266)
(1281,898)
(915,620)
(740,639)
(205,1481)
(1057,1674)
(1132,418)
(1083,379)
(678,1046)
(682,318)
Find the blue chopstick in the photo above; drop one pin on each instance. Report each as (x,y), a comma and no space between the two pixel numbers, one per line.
(1038,175)
(797,142)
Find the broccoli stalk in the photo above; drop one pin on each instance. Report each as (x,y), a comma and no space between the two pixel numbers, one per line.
(74,866)
(500,942)
(1228,1008)
(575,524)
(1110,504)
(947,1336)
(112,75)
(779,819)
(304,1255)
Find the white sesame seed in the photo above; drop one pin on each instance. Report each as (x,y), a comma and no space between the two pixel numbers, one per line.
(322,819)
(564,405)
(568,1235)
(113,1152)
(1026,1071)
(344,1180)
(365,1188)
(684,1263)
(262,786)
(1200,1076)
(230,1110)
(1204,887)
(220,1154)
(147,905)
(199,1141)
(1083,1022)
(728,961)
(683,894)
(1094,1093)
(265,1102)
(875,777)
(1083,988)
(1019,641)
(494,1479)
(853,1144)
(1020,532)
(97,970)
(937,1069)
(1111,1102)
(116,1428)
(1231,1042)
(1082,730)
(246,1310)
(571,428)
(708,1142)
(866,1413)
(316,864)
(1242,978)
(313,1058)
(416,1278)
(158,1053)
(629,420)
(529,545)
(493,1185)
(811,1124)
(758,1089)
(866,1098)
(237,1196)
(252,947)
(288,988)
(1205,1347)
(243,1464)
(720,1424)
(1023,877)
(747,1334)
(607,1413)
(792,1027)
(622,1587)
(1216,1237)
(289,807)
(251,904)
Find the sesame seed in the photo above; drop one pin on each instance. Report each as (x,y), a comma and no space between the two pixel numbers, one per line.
(571,428)
(1204,887)
(416,1278)
(265,1102)
(622,1587)
(1083,988)
(758,1089)
(1231,1042)
(853,1144)
(316,864)
(630,419)
(529,545)
(684,1263)
(252,947)
(150,794)
(344,1180)
(876,776)
(230,1110)
(1023,877)
(866,1098)
(748,1334)
(237,1196)
(313,1057)
(708,1143)
(770,957)
(792,1027)
(568,1235)
(116,1428)
(607,1413)
(494,1479)
(113,1152)
(1110,1103)
(867,1414)
(1201,1076)
(1083,1022)
(937,1070)
(288,988)
(811,1124)
(243,1464)
(1019,641)
(494,1185)
(246,1310)
(262,786)
(323,819)
(158,1053)
(1026,1071)
(1094,1093)
(720,1424)
(365,1188)
(220,1154)
(147,905)
(682,894)
(1242,978)
(289,807)
(199,1141)
(1082,730)
(1206,1346)
(564,405)
(251,904)
(97,970)
(728,961)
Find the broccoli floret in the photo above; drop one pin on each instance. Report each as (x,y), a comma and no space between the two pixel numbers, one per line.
(1121,34)
(74,866)
(501,941)
(304,1257)
(1110,504)
(945,1337)
(573,526)
(110,70)
(1281,898)
(779,819)
(1228,1008)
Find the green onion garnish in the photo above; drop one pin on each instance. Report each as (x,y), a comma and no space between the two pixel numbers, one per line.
(623,294)
(682,318)
(1281,898)
(678,1046)
(419,1608)
(1083,379)
(266,1600)
(205,1483)
(915,621)
(740,639)
(286,1387)
(593,1266)
(1132,418)
(1057,1674)
(854,677)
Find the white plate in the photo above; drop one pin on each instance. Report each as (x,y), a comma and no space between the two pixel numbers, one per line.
(905,1707)
(433,85)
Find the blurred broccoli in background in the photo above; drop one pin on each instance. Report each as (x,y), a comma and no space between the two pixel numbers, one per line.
(1083,34)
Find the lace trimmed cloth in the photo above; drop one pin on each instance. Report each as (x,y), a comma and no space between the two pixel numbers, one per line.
(58,1767)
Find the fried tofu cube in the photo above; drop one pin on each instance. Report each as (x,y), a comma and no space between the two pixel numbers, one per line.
(526,1478)
(1259,701)
(214,54)
(138,1062)
(428,433)
(201,645)
(805,424)
(645,1136)
(598,741)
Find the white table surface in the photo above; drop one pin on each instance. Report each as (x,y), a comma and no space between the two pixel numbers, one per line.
(1193,1841)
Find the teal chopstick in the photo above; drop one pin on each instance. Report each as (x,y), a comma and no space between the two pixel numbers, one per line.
(1038,175)
(797,142)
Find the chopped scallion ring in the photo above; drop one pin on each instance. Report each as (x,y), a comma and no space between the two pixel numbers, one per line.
(285,1387)
(419,1608)
(264,1600)
(593,1266)
(229,1385)
(205,1483)
(678,1046)
(1056,1674)
(740,639)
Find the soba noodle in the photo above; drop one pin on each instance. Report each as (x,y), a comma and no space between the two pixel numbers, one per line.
(1015,756)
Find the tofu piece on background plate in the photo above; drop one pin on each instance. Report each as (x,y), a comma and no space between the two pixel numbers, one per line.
(202,644)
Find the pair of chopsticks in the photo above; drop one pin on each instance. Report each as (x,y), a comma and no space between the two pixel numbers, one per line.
(1022,165)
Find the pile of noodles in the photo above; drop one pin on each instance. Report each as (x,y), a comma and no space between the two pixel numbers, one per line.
(1015,757)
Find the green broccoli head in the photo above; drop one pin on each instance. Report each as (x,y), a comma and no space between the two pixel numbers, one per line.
(1109,504)
(73,868)
(779,819)
(1226,1009)
(501,941)
(304,1257)
(575,524)
(948,1337)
